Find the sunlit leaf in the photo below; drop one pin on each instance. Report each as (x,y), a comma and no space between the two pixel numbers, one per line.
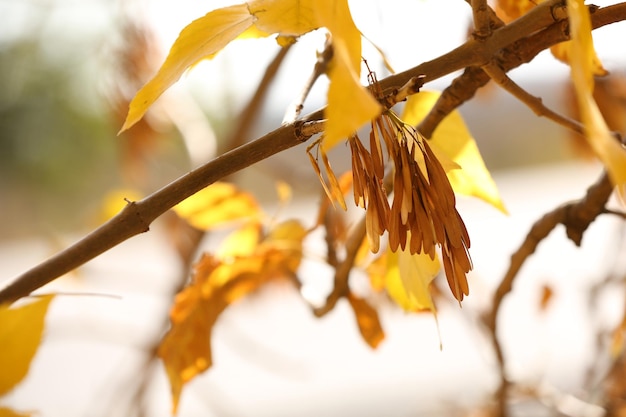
(408,279)
(453,139)
(563,52)
(367,320)
(21,330)
(350,105)
(289,18)
(609,150)
(201,39)
(217,204)
(241,242)
(405,277)
(216,284)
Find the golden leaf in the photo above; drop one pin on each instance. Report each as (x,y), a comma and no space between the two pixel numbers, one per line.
(21,330)
(610,151)
(350,105)
(367,320)
(563,52)
(453,139)
(408,279)
(287,17)
(201,39)
(241,242)
(217,283)
(217,204)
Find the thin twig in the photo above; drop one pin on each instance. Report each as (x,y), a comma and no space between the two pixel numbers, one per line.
(250,113)
(498,75)
(321,65)
(342,271)
(482,19)
(576,217)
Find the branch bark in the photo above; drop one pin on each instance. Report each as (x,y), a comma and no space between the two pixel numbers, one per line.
(135,218)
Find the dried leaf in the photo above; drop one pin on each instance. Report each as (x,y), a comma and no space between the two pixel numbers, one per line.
(609,150)
(217,283)
(367,320)
(201,39)
(453,139)
(216,205)
(21,330)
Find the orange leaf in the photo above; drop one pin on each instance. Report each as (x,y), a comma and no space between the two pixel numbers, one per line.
(217,204)
(217,283)
(367,320)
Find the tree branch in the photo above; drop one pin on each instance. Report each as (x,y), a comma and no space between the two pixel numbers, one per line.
(135,218)
(576,217)
(497,74)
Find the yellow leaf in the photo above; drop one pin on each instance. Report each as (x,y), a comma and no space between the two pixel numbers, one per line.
(284,191)
(350,105)
(21,330)
(609,150)
(217,283)
(241,242)
(453,139)
(201,39)
(367,320)
(287,17)
(563,52)
(217,204)
(408,279)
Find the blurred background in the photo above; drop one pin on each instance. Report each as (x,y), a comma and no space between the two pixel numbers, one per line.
(67,72)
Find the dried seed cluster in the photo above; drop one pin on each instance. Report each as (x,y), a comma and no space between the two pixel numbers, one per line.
(423,211)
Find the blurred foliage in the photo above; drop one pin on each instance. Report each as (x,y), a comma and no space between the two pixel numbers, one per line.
(59,152)
(47,136)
